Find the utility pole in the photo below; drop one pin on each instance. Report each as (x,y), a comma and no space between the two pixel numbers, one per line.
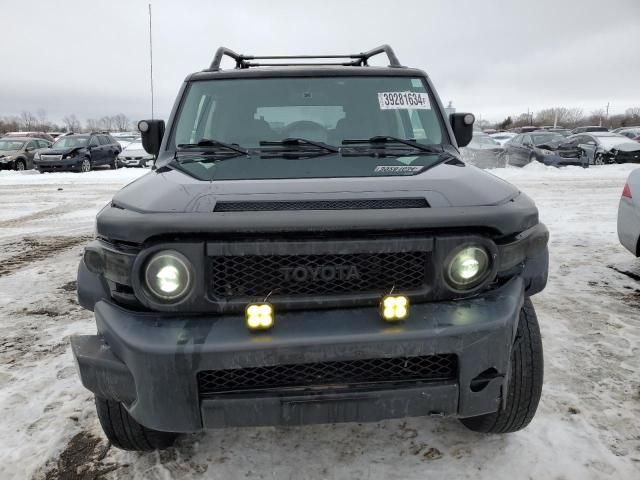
(151,61)
(607,114)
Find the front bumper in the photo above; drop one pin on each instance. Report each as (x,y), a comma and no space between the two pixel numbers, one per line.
(559,161)
(64,164)
(150,362)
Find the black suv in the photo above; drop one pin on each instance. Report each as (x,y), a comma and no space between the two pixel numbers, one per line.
(311,249)
(80,152)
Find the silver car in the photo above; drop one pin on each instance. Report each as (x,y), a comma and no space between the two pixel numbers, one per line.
(629,214)
(134,155)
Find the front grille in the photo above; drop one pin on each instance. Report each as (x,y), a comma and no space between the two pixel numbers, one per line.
(351,372)
(574,153)
(51,157)
(328,274)
(357,204)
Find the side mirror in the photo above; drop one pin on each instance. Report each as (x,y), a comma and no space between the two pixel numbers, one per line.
(152,132)
(462,125)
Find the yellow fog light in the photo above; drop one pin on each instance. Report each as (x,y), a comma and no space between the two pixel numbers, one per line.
(394,308)
(259,316)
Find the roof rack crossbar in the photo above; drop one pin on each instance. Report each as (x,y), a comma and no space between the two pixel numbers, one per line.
(359,59)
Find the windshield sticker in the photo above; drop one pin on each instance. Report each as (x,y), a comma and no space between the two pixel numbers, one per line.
(403,100)
(398,169)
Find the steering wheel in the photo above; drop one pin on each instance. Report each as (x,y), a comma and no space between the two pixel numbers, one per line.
(307,129)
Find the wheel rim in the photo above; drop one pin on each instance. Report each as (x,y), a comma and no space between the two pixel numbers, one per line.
(20,166)
(598,160)
(86,166)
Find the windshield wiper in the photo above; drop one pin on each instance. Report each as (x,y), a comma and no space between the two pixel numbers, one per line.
(382,141)
(300,142)
(209,143)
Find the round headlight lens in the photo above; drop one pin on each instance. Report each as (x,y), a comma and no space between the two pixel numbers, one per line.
(468,268)
(143,126)
(168,276)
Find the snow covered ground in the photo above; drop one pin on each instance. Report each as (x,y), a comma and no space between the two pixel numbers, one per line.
(587,426)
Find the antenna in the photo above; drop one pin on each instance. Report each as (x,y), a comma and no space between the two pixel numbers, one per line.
(151,60)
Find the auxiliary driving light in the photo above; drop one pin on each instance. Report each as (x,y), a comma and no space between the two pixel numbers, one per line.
(259,316)
(394,308)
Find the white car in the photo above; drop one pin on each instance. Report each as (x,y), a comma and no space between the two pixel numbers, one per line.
(502,137)
(125,138)
(134,155)
(629,214)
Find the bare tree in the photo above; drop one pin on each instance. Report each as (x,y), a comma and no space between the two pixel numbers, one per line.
(28,120)
(597,116)
(634,113)
(93,125)
(121,122)
(71,123)
(43,124)
(106,123)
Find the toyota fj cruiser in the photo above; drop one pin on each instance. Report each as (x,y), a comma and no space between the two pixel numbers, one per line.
(310,248)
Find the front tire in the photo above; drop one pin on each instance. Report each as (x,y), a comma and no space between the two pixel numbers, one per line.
(525,384)
(125,433)
(598,159)
(20,165)
(85,166)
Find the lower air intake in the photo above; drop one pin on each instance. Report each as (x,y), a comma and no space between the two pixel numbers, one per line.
(352,372)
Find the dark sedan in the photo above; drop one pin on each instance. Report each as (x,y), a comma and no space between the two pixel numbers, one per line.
(545,147)
(79,152)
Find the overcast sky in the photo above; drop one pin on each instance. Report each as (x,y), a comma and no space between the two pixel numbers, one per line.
(490,57)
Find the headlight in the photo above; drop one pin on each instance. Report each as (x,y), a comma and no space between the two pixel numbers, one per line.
(168,276)
(546,152)
(468,267)
(36,156)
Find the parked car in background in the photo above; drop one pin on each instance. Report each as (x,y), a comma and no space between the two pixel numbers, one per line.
(43,135)
(562,131)
(16,153)
(503,137)
(589,129)
(125,138)
(526,129)
(528,147)
(629,132)
(134,155)
(607,147)
(56,135)
(629,214)
(483,152)
(80,152)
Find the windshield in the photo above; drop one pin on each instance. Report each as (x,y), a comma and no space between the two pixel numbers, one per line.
(9,145)
(329,110)
(70,142)
(542,139)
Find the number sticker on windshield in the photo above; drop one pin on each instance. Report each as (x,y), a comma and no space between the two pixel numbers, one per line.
(403,100)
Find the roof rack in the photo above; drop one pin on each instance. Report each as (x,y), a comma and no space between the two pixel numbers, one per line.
(356,59)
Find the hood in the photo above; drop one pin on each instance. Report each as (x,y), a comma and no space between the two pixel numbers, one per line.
(627,147)
(59,151)
(170,191)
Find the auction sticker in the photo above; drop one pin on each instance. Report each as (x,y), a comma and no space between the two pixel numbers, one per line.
(403,100)
(398,169)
